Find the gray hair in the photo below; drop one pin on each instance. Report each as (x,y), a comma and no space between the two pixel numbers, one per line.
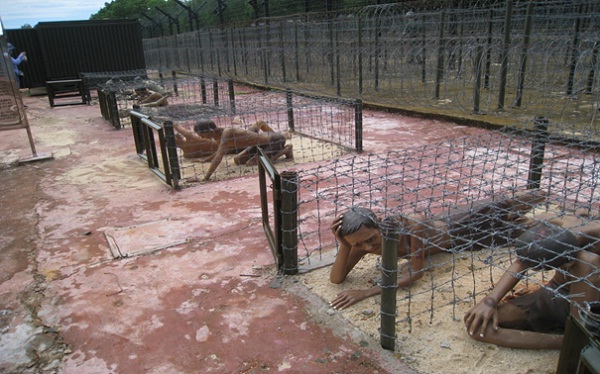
(356,217)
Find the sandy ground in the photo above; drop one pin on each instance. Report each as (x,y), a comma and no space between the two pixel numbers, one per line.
(306,150)
(438,343)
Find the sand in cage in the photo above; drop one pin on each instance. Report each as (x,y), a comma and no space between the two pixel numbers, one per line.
(306,149)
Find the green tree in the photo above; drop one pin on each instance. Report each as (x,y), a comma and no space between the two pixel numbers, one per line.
(118,9)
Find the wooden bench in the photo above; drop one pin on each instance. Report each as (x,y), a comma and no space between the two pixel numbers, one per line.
(67,88)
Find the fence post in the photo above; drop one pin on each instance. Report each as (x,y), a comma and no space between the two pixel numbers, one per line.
(203,89)
(574,51)
(526,38)
(440,57)
(282,52)
(360,55)
(290,109)
(200,50)
(389,282)
(478,71)
(233,49)
(377,52)
(296,52)
(175,89)
(330,53)
(289,222)
(174,169)
(231,95)
(216,92)
(266,55)
(505,48)
(590,82)
(337,64)
(358,124)
(488,50)
(538,147)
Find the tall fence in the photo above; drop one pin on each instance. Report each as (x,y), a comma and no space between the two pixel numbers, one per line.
(509,62)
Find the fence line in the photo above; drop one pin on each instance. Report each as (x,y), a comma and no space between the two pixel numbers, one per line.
(509,62)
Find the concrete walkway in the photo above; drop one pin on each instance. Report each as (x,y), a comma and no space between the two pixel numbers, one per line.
(200,293)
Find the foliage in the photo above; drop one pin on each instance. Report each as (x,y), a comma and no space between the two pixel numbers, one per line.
(165,17)
(119,9)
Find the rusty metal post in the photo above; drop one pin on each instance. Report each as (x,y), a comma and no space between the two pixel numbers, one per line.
(504,54)
(526,39)
(289,222)
(231,95)
(477,84)
(389,282)
(439,71)
(358,125)
(538,148)
(216,92)
(171,149)
(290,109)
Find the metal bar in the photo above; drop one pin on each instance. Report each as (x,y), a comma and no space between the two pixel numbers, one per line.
(389,283)
(526,38)
(504,61)
(289,222)
(173,160)
(440,57)
(537,152)
(358,125)
(265,167)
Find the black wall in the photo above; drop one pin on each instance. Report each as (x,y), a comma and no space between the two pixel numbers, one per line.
(34,68)
(62,50)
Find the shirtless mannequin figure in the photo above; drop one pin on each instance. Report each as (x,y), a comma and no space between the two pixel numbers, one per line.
(568,244)
(232,138)
(207,140)
(484,223)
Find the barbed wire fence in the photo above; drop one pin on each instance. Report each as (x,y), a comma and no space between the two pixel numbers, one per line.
(504,64)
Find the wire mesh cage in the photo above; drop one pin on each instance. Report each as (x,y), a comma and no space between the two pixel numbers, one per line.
(444,185)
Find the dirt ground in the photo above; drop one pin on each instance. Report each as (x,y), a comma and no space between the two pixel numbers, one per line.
(198,291)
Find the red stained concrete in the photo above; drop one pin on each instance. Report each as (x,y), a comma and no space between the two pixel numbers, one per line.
(214,304)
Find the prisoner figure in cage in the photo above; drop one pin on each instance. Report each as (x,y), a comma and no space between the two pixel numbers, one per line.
(149,98)
(150,94)
(568,245)
(490,222)
(193,145)
(260,135)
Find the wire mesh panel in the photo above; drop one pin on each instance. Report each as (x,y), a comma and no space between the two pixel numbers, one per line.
(444,184)
(314,129)
(290,127)
(180,97)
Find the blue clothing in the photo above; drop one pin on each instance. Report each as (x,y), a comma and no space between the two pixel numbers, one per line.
(16,62)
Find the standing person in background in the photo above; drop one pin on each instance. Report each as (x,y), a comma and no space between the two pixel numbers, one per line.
(16,62)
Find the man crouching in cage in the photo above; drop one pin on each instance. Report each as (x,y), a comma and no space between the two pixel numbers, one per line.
(488,222)
(243,142)
(536,320)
